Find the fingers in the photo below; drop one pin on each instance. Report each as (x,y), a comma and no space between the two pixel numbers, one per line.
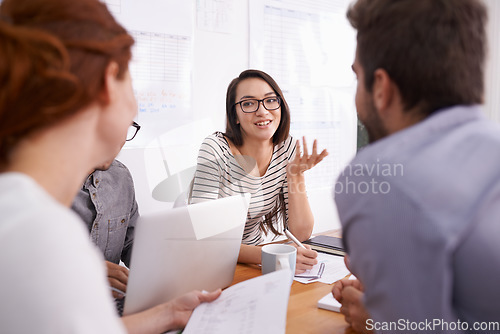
(300,267)
(354,309)
(351,295)
(117,277)
(312,160)
(309,161)
(357,284)
(304,161)
(345,311)
(315,148)
(206,297)
(306,154)
(337,290)
(118,286)
(117,272)
(315,158)
(298,154)
(341,285)
(354,283)
(307,254)
(306,259)
(189,301)
(322,155)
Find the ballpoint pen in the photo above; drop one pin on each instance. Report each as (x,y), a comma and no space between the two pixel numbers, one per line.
(292,237)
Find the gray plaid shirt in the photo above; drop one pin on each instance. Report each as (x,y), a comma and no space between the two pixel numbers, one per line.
(106,203)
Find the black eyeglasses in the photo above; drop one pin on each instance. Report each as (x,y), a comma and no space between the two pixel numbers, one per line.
(132,131)
(252,105)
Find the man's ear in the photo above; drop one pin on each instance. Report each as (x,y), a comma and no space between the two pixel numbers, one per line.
(110,79)
(383,90)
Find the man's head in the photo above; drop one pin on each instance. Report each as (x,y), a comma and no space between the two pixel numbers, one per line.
(432,50)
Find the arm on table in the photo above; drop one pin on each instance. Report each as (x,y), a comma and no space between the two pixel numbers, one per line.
(306,258)
(300,217)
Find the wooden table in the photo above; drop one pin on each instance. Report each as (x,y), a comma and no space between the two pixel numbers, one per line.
(303,315)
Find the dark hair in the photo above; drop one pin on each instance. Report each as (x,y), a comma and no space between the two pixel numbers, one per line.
(276,216)
(53,57)
(233,130)
(434,50)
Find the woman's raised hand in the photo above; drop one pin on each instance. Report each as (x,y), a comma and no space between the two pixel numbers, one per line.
(303,161)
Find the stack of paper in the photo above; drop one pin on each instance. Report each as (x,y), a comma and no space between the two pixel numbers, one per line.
(330,303)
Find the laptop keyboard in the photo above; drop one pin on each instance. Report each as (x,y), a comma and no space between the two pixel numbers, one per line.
(119,303)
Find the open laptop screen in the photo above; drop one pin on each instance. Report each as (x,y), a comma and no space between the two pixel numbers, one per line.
(186,248)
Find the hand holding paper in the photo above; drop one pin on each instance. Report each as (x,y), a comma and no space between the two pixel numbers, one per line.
(255,306)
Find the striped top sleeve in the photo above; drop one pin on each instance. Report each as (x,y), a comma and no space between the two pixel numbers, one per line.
(218,175)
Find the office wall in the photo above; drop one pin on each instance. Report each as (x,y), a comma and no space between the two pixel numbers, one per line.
(219,51)
(220,39)
(221,47)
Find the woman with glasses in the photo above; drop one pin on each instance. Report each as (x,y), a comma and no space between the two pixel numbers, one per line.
(65,106)
(256,155)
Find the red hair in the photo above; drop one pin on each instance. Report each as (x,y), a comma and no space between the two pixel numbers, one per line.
(53,57)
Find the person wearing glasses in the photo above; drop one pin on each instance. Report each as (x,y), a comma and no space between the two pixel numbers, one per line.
(65,106)
(256,155)
(106,203)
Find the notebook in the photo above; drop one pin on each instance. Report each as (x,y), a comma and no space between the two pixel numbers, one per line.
(186,248)
(330,303)
(326,244)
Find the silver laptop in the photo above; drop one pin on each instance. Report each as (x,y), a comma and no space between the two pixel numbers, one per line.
(186,248)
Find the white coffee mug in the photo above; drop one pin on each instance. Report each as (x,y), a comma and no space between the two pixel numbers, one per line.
(278,257)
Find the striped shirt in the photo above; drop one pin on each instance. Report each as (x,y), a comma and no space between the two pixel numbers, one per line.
(218,175)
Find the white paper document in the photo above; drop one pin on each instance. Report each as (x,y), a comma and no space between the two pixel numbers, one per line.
(255,306)
(329,303)
(313,273)
(334,270)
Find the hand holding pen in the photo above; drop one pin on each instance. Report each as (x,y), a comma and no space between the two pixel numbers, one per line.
(306,257)
(295,240)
